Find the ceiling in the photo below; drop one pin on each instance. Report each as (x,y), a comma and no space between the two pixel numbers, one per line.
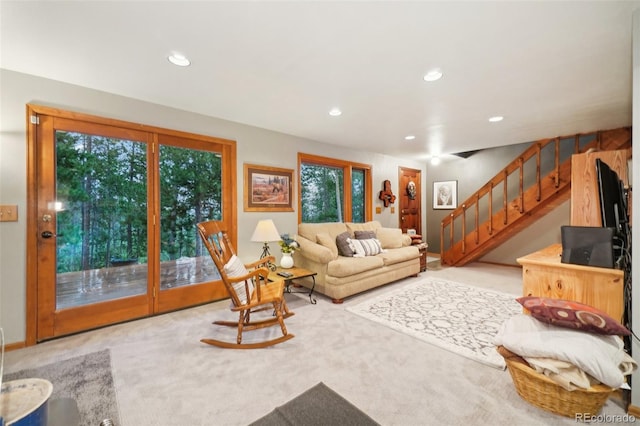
(550,68)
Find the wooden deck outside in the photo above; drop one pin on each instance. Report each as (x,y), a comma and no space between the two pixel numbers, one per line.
(113,282)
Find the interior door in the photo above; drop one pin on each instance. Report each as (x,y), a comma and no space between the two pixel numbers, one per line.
(410,194)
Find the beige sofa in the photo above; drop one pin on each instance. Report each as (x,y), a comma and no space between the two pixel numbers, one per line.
(339,276)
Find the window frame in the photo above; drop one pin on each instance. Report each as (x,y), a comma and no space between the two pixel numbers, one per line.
(347,168)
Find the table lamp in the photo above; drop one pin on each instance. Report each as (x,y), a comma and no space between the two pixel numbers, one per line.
(265,232)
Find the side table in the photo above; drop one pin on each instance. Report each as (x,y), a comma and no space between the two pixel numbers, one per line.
(295,273)
(422,248)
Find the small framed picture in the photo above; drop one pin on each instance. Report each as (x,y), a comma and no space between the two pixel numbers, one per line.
(267,189)
(445,194)
(411,232)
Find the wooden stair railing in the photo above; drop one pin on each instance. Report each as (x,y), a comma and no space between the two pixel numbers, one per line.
(510,207)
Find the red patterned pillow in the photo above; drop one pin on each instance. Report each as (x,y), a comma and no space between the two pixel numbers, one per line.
(570,314)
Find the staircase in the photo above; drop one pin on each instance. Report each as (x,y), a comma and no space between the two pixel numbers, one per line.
(529,187)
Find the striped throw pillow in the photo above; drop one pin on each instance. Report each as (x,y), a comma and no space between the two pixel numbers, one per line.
(368,247)
(235,268)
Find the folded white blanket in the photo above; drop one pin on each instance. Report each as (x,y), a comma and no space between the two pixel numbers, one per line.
(602,357)
(563,373)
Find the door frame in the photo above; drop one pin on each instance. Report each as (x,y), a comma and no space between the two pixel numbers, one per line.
(229,201)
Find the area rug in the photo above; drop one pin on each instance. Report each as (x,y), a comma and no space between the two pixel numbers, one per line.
(457,317)
(87,379)
(319,406)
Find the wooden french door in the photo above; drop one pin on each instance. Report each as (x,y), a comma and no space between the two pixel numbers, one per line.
(410,194)
(112,215)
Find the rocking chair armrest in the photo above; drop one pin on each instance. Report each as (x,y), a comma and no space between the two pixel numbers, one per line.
(256,273)
(258,263)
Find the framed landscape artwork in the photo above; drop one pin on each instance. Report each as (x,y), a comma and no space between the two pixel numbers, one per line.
(445,194)
(267,189)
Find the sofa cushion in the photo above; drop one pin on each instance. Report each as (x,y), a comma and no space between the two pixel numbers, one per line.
(368,247)
(344,247)
(325,239)
(364,235)
(399,255)
(367,226)
(389,237)
(311,230)
(347,266)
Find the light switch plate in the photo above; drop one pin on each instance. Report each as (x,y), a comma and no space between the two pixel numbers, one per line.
(8,213)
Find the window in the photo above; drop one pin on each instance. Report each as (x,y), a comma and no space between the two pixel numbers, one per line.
(333,190)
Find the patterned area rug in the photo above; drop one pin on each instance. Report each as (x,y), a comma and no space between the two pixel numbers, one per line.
(457,317)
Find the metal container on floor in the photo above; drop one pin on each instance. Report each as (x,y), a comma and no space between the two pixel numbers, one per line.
(24,402)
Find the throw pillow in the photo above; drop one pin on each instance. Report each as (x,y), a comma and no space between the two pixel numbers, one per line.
(235,268)
(389,237)
(573,315)
(364,235)
(325,240)
(362,248)
(343,244)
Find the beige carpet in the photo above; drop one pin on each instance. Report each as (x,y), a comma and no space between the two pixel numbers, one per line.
(164,376)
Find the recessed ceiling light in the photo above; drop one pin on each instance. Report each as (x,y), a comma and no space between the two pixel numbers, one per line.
(409,137)
(179,60)
(335,112)
(435,161)
(496,118)
(433,75)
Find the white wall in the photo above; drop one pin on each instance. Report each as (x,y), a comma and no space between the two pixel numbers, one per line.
(254,145)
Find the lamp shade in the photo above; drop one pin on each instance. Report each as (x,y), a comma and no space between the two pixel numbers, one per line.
(265,232)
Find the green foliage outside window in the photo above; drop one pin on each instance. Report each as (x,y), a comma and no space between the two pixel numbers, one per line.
(101,184)
(323,188)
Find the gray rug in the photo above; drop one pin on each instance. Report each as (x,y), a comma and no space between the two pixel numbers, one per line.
(457,317)
(86,379)
(318,406)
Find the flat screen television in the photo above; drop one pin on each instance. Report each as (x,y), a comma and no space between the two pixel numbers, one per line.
(613,200)
(613,209)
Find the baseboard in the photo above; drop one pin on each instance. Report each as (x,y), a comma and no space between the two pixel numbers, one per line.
(633,410)
(15,346)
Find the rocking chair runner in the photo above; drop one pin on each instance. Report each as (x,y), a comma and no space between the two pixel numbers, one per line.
(249,288)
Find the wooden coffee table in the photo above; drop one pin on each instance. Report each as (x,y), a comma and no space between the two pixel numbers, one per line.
(296,273)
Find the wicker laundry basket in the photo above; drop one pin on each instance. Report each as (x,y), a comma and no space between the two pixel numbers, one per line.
(543,392)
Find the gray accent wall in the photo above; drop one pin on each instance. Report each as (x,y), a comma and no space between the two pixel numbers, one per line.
(472,173)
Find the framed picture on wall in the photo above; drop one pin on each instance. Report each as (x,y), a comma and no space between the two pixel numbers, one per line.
(445,194)
(267,189)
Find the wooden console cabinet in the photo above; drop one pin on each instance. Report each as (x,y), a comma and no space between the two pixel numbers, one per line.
(543,274)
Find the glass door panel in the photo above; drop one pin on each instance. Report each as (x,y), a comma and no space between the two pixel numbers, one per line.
(101,211)
(190,192)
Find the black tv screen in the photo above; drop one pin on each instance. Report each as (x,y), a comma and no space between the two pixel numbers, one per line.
(613,205)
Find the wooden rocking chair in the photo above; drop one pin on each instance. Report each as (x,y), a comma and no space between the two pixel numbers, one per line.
(249,288)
